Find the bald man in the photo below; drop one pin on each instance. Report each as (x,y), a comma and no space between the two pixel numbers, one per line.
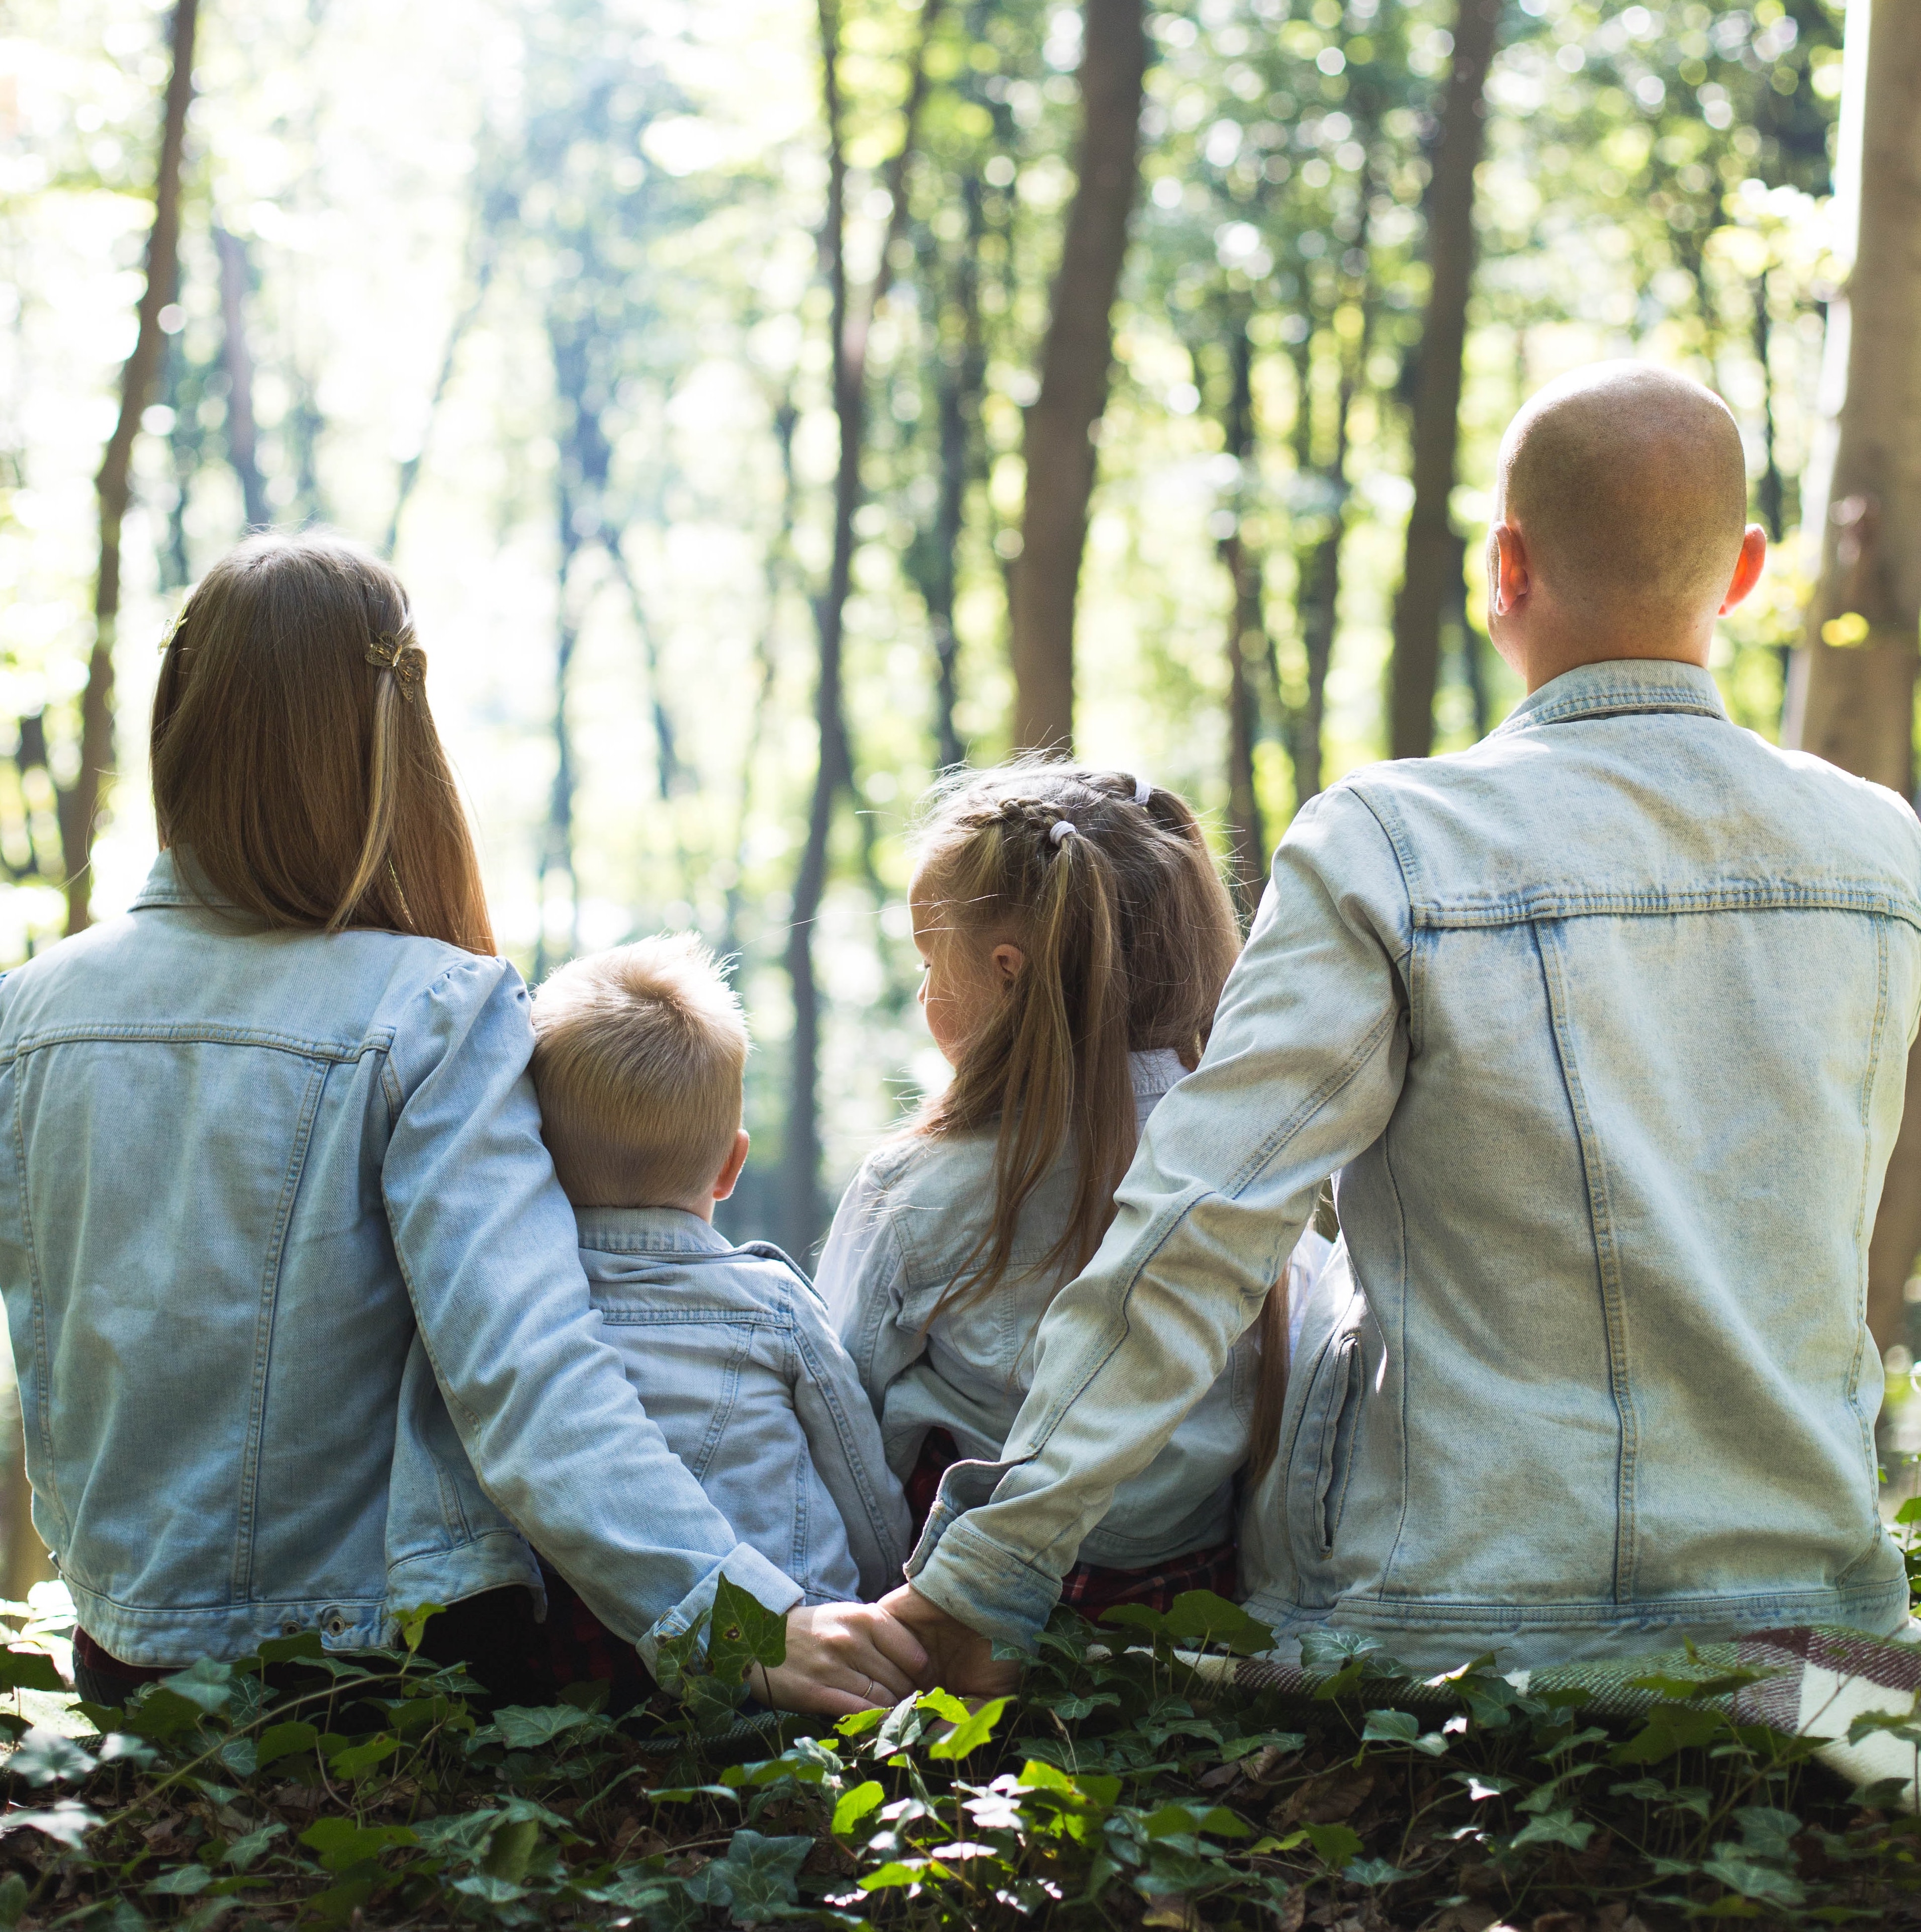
(1603,1025)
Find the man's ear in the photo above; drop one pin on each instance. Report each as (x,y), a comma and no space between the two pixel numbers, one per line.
(1747,567)
(736,1161)
(1512,579)
(1008,960)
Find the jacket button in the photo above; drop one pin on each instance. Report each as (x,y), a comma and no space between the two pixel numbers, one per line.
(337,1626)
(289,1630)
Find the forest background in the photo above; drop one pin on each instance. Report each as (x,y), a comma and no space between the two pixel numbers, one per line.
(691,362)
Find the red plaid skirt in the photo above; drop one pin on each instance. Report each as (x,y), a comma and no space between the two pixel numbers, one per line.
(1089,1587)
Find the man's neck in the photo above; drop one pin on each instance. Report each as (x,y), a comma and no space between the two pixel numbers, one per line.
(1542,661)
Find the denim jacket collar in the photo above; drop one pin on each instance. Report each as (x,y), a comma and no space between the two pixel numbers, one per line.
(1619,684)
(648,1231)
(167,887)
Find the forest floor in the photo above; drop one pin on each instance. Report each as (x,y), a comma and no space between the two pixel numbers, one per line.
(1120,1789)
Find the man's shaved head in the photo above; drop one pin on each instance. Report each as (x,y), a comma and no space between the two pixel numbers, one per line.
(1627,486)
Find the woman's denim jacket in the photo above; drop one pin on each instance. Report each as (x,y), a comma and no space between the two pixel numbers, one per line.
(906,1228)
(1606,1023)
(302,1336)
(731,1352)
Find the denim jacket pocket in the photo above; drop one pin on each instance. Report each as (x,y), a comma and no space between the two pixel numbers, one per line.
(1334,1460)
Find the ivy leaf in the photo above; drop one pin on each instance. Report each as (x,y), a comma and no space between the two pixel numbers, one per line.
(526,1727)
(357,1760)
(1336,1845)
(47,1757)
(159,1715)
(1374,1871)
(243,1851)
(280,1741)
(1767,1833)
(756,1879)
(1554,1827)
(182,1881)
(302,1645)
(1670,1728)
(29,1670)
(854,1805)
(743,1632)
(342,1843)
(206,1684)
(858,1723)
(1739,1872)
(68,1823)
(973,1731)
(1202,1617)
(119,1747)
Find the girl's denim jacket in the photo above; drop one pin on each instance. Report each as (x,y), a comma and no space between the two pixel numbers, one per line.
(731,1353)
(904,1231)
(1605,1023)
(302,1335)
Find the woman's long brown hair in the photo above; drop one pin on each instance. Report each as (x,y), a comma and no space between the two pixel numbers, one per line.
(303,785)
(1128,934)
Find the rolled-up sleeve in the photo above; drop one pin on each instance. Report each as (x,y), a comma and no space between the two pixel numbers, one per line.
(1301,1073)
(486,1242)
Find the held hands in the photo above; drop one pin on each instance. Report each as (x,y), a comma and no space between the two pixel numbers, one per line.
(843,1658)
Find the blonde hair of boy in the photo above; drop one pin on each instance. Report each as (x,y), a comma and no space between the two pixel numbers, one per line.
(638,1057)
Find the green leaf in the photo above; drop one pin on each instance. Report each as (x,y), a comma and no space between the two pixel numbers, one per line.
(1181,1818)
(895,1872)
(743,1632)
(972,1731)
(757,1877)
(413,1624)
(1739,1872)
(1670,1728)
(942,1704)
(13,1896)
(1336,1845)
(357,1760)
(1767,1833)
(66,1823)
(1201,1617)
(29,1670)
(854,1805)
(1392,1727)
(182,1881)
(1374,1871)
(1554,1827)
(283,1740)
(525,1727)
(243,1851)
(341,1843)
(49,1757)
(290,1649)
(510,1849)
(1137,1616)
(160,1714)
(858,1723)
(1909,1511)
(206,1684)
(489,1889)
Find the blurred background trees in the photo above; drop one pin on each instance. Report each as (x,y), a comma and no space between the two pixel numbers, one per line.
(769,404)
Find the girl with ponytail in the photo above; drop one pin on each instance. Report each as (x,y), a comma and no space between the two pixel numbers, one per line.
(1075,935)
(303,1338)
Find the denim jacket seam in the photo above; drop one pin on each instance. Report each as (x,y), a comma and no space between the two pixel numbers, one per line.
(342,1052)
(1401,1298)
(850,1456)
(1869,1074)
(1608,1264)
(1680,699)
(1522,908)
(263,1334)
(42,1421)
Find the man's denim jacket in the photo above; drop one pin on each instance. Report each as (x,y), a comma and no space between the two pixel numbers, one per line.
(1606,1023)
(731,1353)
(905,1232)
(285,1265)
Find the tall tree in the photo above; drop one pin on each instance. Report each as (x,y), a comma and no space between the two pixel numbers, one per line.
(80,801)
(1851,688)
(1247,644)
(851,312)
(242,438)
(1062,422)
(1433,550)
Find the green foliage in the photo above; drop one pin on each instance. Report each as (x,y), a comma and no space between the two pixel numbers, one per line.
(1124,1785)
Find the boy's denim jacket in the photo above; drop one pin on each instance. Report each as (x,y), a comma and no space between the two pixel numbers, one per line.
(732,1354)
(904,1231)
(285,1264)
(1606,1022)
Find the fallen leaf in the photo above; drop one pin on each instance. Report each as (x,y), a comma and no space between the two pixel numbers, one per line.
(1329,1799)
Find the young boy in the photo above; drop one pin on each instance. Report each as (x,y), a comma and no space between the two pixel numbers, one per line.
(637,1059)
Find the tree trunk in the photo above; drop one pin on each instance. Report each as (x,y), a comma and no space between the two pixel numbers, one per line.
(852,323)
(79,804)
(1246,635)
(1851,686)
(1061,426)
(242,442)
(1432,551)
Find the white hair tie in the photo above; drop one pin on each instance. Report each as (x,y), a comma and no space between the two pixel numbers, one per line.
(1143,791)
(1063,828)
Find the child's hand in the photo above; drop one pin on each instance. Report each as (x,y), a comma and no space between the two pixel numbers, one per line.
(841,1658)
(959,1659)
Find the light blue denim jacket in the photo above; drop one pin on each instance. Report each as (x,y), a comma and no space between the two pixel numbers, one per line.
(905,1229)
(1606,1022)
(285,1265)
(731,1353)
